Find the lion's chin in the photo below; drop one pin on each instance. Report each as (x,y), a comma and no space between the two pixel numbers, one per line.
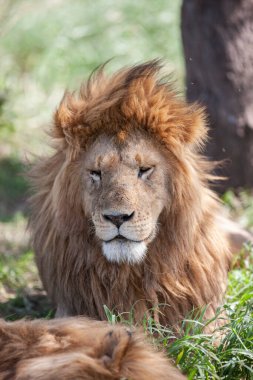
(124,251)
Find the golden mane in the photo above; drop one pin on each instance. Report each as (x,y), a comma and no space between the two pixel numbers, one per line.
(187,263)
(138,98)
(78,348)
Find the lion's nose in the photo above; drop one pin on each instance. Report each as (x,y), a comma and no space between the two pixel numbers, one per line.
(117,219)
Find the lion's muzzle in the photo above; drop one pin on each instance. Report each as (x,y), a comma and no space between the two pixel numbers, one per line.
(124,235)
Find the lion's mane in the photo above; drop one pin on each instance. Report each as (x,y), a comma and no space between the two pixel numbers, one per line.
(187,263)
(78,348)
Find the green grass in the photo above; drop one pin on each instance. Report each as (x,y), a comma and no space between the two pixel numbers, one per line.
(12,270)
(13,188)
(21,293)
(240,207)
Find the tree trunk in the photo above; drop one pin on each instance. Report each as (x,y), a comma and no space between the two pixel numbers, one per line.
(218,47)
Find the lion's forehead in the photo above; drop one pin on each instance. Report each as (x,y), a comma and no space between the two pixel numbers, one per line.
(136,151)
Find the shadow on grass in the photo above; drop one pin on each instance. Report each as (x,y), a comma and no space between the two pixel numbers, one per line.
(26,306)
(13,188)
(21,293)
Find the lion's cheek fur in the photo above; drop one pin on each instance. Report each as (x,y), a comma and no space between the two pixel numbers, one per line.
(67,199)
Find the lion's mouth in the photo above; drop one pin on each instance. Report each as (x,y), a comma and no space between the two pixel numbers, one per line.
(122,239)
(122,250)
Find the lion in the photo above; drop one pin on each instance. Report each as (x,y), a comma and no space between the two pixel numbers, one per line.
(78,348)
(122,213)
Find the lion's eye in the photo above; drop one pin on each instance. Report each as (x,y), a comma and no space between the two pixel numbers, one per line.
(95,175)
(144,172)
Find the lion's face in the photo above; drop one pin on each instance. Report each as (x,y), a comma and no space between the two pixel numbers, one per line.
(125,191)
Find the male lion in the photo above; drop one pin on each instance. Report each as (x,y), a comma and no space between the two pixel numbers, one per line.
(122,214)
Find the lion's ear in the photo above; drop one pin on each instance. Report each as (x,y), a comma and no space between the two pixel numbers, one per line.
(63,115)
(67,117)
(187,125)
(194,130)
(68,123)
(157,107)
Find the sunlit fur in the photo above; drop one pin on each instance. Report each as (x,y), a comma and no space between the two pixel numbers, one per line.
(186,264)
(78,348)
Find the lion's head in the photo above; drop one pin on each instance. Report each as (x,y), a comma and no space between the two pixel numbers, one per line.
(122,211)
